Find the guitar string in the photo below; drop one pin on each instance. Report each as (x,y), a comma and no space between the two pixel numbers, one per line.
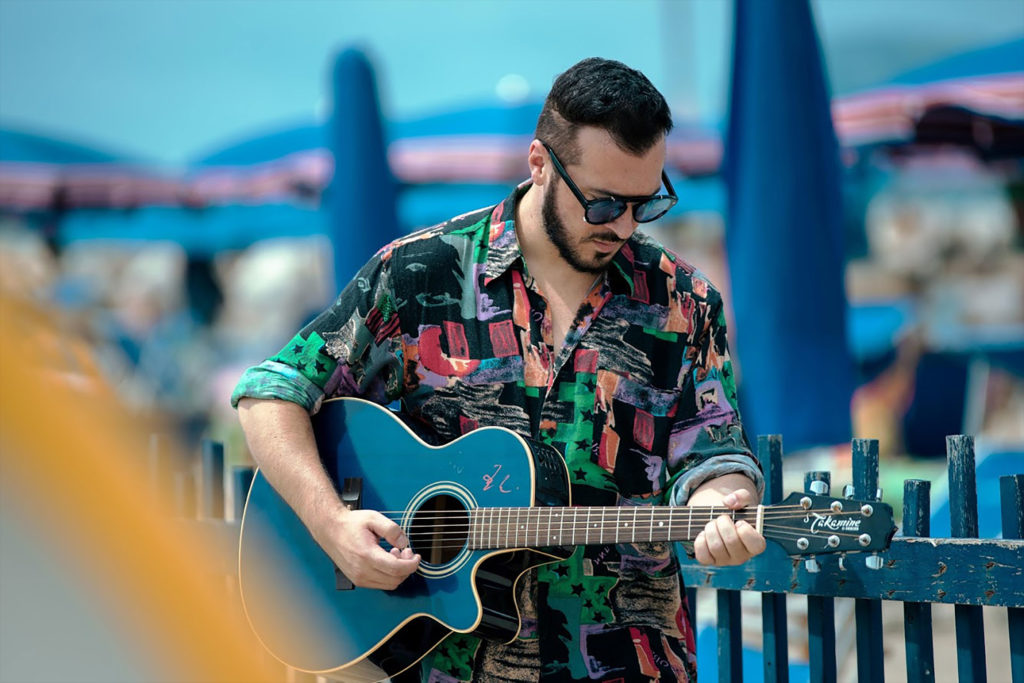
(672,514)
(452,541)
(527,531)
(662,509)
(794,511)
(526,541)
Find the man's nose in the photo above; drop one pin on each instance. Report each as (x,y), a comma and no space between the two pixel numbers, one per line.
(624,226)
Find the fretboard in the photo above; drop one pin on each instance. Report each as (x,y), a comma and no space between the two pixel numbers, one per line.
(537,527)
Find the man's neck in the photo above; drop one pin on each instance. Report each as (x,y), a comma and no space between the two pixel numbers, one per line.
(545,264)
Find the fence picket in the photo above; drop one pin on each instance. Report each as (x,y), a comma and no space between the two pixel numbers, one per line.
(870,654)
(821,610)
(775,642)
(730,637)
(963,510)
(917,616)
(1011,500)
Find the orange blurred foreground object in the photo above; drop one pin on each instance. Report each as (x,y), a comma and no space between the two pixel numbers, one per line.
(74,480)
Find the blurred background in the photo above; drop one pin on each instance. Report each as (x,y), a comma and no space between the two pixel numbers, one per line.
(184,183)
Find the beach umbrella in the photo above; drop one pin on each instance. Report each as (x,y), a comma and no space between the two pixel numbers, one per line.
(47,173)
(361,198)
(784,230)
(974,99)
(288,164)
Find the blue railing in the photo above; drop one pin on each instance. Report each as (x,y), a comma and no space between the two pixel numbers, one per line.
(917,570)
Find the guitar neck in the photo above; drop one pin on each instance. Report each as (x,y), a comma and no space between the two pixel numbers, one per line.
(538,527)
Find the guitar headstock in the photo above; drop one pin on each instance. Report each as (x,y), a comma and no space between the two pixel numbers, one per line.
(806,524)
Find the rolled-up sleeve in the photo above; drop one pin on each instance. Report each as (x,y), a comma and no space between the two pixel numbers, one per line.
(707,439)
(351,349)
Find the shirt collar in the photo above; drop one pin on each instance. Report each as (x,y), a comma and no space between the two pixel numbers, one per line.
(503,251)
(502,245)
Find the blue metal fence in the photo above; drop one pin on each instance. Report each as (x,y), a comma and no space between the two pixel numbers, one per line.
(916,570)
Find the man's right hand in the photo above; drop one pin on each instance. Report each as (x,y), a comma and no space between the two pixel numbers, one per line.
(280,438)
(352,539)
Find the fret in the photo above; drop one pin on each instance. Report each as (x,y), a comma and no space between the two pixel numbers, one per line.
(635,511)
(548,535)
(519,528)
(586,538)
(575,525)
(651,525)
(618,519)
(474,527)
(689,526)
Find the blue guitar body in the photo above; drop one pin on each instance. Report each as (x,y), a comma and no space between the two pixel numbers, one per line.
(302,608)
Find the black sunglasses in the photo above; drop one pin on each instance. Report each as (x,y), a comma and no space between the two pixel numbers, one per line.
(606,209)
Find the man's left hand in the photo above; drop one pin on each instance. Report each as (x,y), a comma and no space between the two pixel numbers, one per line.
(724,542)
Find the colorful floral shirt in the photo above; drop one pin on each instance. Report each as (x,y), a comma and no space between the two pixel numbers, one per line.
(640,400)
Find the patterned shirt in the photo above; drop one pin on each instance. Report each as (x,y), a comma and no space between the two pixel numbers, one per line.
(640,400)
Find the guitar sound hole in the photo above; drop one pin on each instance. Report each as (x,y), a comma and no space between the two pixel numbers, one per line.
(439,530)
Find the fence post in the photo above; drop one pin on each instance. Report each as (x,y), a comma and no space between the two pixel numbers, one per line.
(917,616)
(775,643)
(241,482)
(212,480)
(963,511)
(870,659)
(821,610)
(1011,501)
(730,637)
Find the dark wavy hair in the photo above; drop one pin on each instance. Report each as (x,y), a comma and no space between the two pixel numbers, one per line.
(609,95)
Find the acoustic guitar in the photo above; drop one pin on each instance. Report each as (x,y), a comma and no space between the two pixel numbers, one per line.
(480,511)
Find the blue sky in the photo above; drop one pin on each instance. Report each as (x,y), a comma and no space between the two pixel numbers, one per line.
(168,80)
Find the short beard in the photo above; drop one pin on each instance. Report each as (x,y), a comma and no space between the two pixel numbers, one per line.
(559,236)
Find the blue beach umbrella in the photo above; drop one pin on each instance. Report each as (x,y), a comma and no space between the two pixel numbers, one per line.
(784,230)
(361,198)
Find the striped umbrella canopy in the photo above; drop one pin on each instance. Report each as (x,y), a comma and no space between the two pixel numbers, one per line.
(975,98)
(39,172)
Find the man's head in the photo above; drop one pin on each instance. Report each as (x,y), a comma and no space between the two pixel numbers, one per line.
(598,161)
(606,94)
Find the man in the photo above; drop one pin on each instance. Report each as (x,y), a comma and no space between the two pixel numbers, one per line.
(550,315)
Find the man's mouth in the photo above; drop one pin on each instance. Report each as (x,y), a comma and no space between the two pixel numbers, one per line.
(606,243)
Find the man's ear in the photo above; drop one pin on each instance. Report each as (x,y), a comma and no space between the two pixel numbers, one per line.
(539,162)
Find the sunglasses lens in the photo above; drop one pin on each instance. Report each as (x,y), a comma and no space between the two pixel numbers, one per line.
(653,209)
(605,211)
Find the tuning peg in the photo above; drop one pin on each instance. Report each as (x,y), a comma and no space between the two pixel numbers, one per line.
(812,566)
(819,487)
(842,561)
(873,561)
(848,491)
